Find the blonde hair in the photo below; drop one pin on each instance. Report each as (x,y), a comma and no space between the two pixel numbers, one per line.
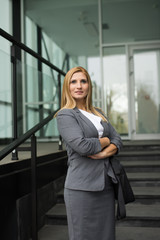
(67,101)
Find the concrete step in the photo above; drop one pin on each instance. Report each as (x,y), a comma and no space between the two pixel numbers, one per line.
(141,215)
(60,232)
(144,179)
(141,145)
(143,183)
(137,233)
(56,232)
(145,195)
(129,148)
(146,191)
(142,163)
(137,215)
(143,176)
(141,166)
(143,211)
(139,222)
(139,155)
(60,196)
(57,215)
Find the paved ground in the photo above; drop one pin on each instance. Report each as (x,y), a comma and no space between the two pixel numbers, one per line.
(42,149)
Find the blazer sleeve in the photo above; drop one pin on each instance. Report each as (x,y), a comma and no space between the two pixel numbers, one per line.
(73,135)
(115,137)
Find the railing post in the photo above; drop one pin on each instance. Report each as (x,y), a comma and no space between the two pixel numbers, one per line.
(59,94)
(14,99)
(34,188)
(40,77)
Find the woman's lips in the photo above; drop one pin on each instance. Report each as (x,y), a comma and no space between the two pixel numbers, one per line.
(79,92)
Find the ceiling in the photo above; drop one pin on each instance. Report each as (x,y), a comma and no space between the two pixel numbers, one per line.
(73,24)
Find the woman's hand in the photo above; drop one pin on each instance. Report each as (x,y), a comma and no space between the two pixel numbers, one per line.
(106,152)
(99,155)
(105,141)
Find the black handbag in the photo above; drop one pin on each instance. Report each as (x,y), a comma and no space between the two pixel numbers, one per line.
(122,189)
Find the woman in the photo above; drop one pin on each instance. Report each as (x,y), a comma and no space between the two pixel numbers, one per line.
(90,140)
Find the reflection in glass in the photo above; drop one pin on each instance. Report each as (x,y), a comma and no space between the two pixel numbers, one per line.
(115,88)
(70,38)
(95,75)
(147,91)
(34,79)
(5,96)
(33,113)
(40,101)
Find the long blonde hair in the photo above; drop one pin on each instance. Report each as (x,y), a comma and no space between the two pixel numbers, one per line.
(67,101)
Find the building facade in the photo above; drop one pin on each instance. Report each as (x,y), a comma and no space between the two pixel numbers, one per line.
(118,42)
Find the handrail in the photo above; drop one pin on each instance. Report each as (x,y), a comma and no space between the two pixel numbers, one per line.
(30,133)
(24,137)
(29,50)
(23,47)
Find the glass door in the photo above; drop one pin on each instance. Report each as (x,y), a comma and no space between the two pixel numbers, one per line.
(145,91)
(115,88)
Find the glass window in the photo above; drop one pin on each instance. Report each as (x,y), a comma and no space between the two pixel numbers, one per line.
(5,16)
(30,41)
(69,38)
(95,74)
(5,96)
(5,72)
(71,29)
(147,91)
(115,87)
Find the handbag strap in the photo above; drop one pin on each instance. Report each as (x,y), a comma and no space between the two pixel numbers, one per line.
(121,209)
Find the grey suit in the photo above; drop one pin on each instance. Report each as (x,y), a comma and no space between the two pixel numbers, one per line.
(89,194)
(81,139)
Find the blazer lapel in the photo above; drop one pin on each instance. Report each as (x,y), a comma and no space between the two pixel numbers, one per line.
(86,120)
(105,126)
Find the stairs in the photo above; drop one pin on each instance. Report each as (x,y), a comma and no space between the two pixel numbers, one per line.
(142,164)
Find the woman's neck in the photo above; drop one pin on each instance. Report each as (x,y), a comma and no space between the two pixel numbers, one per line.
(81,105)
(82,108)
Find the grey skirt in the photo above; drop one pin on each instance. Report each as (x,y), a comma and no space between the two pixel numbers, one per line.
(91,215)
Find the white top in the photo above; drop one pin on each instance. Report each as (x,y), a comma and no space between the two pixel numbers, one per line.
(96,120)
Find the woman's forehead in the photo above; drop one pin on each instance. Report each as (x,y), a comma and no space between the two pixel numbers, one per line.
(79,75)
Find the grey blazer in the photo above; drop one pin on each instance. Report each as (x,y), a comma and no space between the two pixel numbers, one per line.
(81,140)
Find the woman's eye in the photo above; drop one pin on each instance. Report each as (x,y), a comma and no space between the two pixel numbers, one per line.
(73,81)
(84,81)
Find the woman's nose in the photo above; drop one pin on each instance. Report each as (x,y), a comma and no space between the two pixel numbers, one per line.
(79,85)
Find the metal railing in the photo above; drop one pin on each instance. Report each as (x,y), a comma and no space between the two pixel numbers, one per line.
(12,147)
(28,50)
(33,148)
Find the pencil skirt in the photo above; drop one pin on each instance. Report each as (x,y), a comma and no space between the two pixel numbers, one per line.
(91,215)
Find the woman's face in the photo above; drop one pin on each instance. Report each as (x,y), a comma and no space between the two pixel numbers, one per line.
(79,86)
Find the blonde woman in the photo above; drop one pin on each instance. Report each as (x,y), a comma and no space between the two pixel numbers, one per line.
(90,140)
